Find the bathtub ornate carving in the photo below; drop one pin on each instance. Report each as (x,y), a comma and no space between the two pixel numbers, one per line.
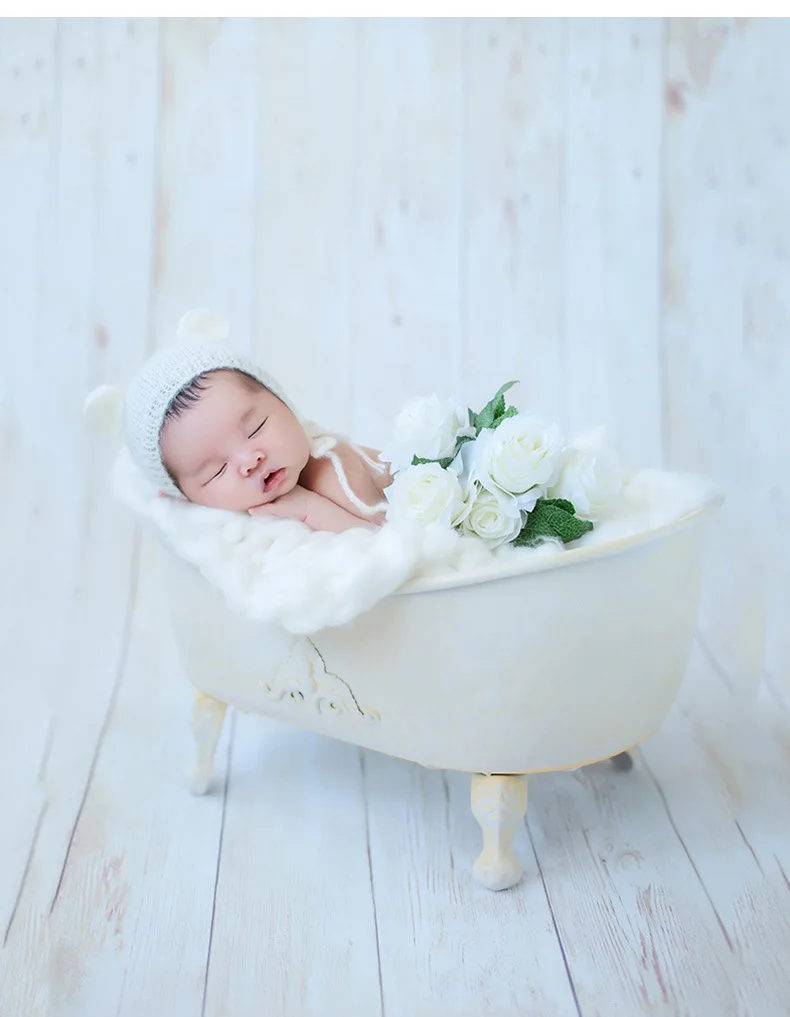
(304,680)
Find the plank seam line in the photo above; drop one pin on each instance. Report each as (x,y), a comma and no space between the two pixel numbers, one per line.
(688,853)
(28,863)
(708,654)
(155,252)
(370,874)
(36,831)
(119,670)
(554,921)
(663,163)
(463,212)
(225,788)
(749,846)
(446,787)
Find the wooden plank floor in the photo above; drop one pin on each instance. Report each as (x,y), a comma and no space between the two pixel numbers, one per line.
(319,879)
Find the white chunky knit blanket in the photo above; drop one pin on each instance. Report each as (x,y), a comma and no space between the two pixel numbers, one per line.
(279,571)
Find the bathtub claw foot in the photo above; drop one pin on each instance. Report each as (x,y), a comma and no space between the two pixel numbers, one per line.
(623,761)
(208,715)
(498,805)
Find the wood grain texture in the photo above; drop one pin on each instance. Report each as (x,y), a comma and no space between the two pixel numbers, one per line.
(385,208)
(642,937)
(408,184)
(206,171)
(514,145)
(132,921)
(307,134)
(722,772)
(28,140)
(725,316)
(27,123)
(611,231)
(69,635)
(294,923)
(456,938)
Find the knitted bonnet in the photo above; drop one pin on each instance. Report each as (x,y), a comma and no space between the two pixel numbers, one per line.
(141,412)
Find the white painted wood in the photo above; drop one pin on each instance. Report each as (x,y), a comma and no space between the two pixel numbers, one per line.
(125,200)
(132,920)
(638,930)
(88,543)
(306,211)
(81,669)
(726,313)
(702,335)
(25,739)
(765,168)
(448,945)
(69,632)
(406,319)
(511,247)
(498,805)
(27,83)
(102,191)
(207,171)
(28,130)
(611,231)
(294,925)
(722,772)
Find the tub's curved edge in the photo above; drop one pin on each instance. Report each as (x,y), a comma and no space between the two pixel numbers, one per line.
(572,556)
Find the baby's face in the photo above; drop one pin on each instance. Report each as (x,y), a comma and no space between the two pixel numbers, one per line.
(237,447)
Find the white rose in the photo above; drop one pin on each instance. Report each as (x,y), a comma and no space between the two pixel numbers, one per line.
(521,458)
(427,428)
(490,516)
(427,494)
(591,478)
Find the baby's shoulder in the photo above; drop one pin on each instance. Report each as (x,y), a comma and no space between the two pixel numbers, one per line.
(321,472)
(321,477)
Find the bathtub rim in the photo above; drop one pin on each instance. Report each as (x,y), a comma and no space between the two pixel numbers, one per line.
(565,559)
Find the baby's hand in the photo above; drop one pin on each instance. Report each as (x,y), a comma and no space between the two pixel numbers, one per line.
(313,509)
(293,505)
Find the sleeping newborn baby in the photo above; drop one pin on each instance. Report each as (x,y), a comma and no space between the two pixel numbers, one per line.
(209,426)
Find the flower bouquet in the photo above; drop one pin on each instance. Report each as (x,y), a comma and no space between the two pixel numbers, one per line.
(503,476)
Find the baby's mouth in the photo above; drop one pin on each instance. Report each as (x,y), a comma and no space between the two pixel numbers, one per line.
(272,480)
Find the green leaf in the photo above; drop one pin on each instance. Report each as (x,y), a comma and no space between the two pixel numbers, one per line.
(447,460)
(493,412)
(552,517)
(444,463)
(511,411)
(560,503)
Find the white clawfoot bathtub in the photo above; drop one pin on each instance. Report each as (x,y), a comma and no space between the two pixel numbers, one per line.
(528,666)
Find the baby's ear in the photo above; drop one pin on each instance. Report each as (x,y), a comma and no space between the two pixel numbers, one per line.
(202,325)
(104,410)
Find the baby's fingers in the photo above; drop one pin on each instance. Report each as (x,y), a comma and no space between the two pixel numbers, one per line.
(270,509)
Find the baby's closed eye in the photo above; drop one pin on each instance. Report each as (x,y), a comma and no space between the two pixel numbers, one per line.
(219,473)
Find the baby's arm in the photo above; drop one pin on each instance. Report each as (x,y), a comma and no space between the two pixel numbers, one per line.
(366,483)
(318,512)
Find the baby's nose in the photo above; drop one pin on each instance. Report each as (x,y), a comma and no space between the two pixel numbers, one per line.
(252,464)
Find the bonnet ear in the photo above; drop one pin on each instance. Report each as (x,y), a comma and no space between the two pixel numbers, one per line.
(104,410)
(202,325)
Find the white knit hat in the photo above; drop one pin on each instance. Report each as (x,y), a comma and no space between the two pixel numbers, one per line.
(159,381)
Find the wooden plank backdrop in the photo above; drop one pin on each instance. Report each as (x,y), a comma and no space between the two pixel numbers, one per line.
(385,208)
